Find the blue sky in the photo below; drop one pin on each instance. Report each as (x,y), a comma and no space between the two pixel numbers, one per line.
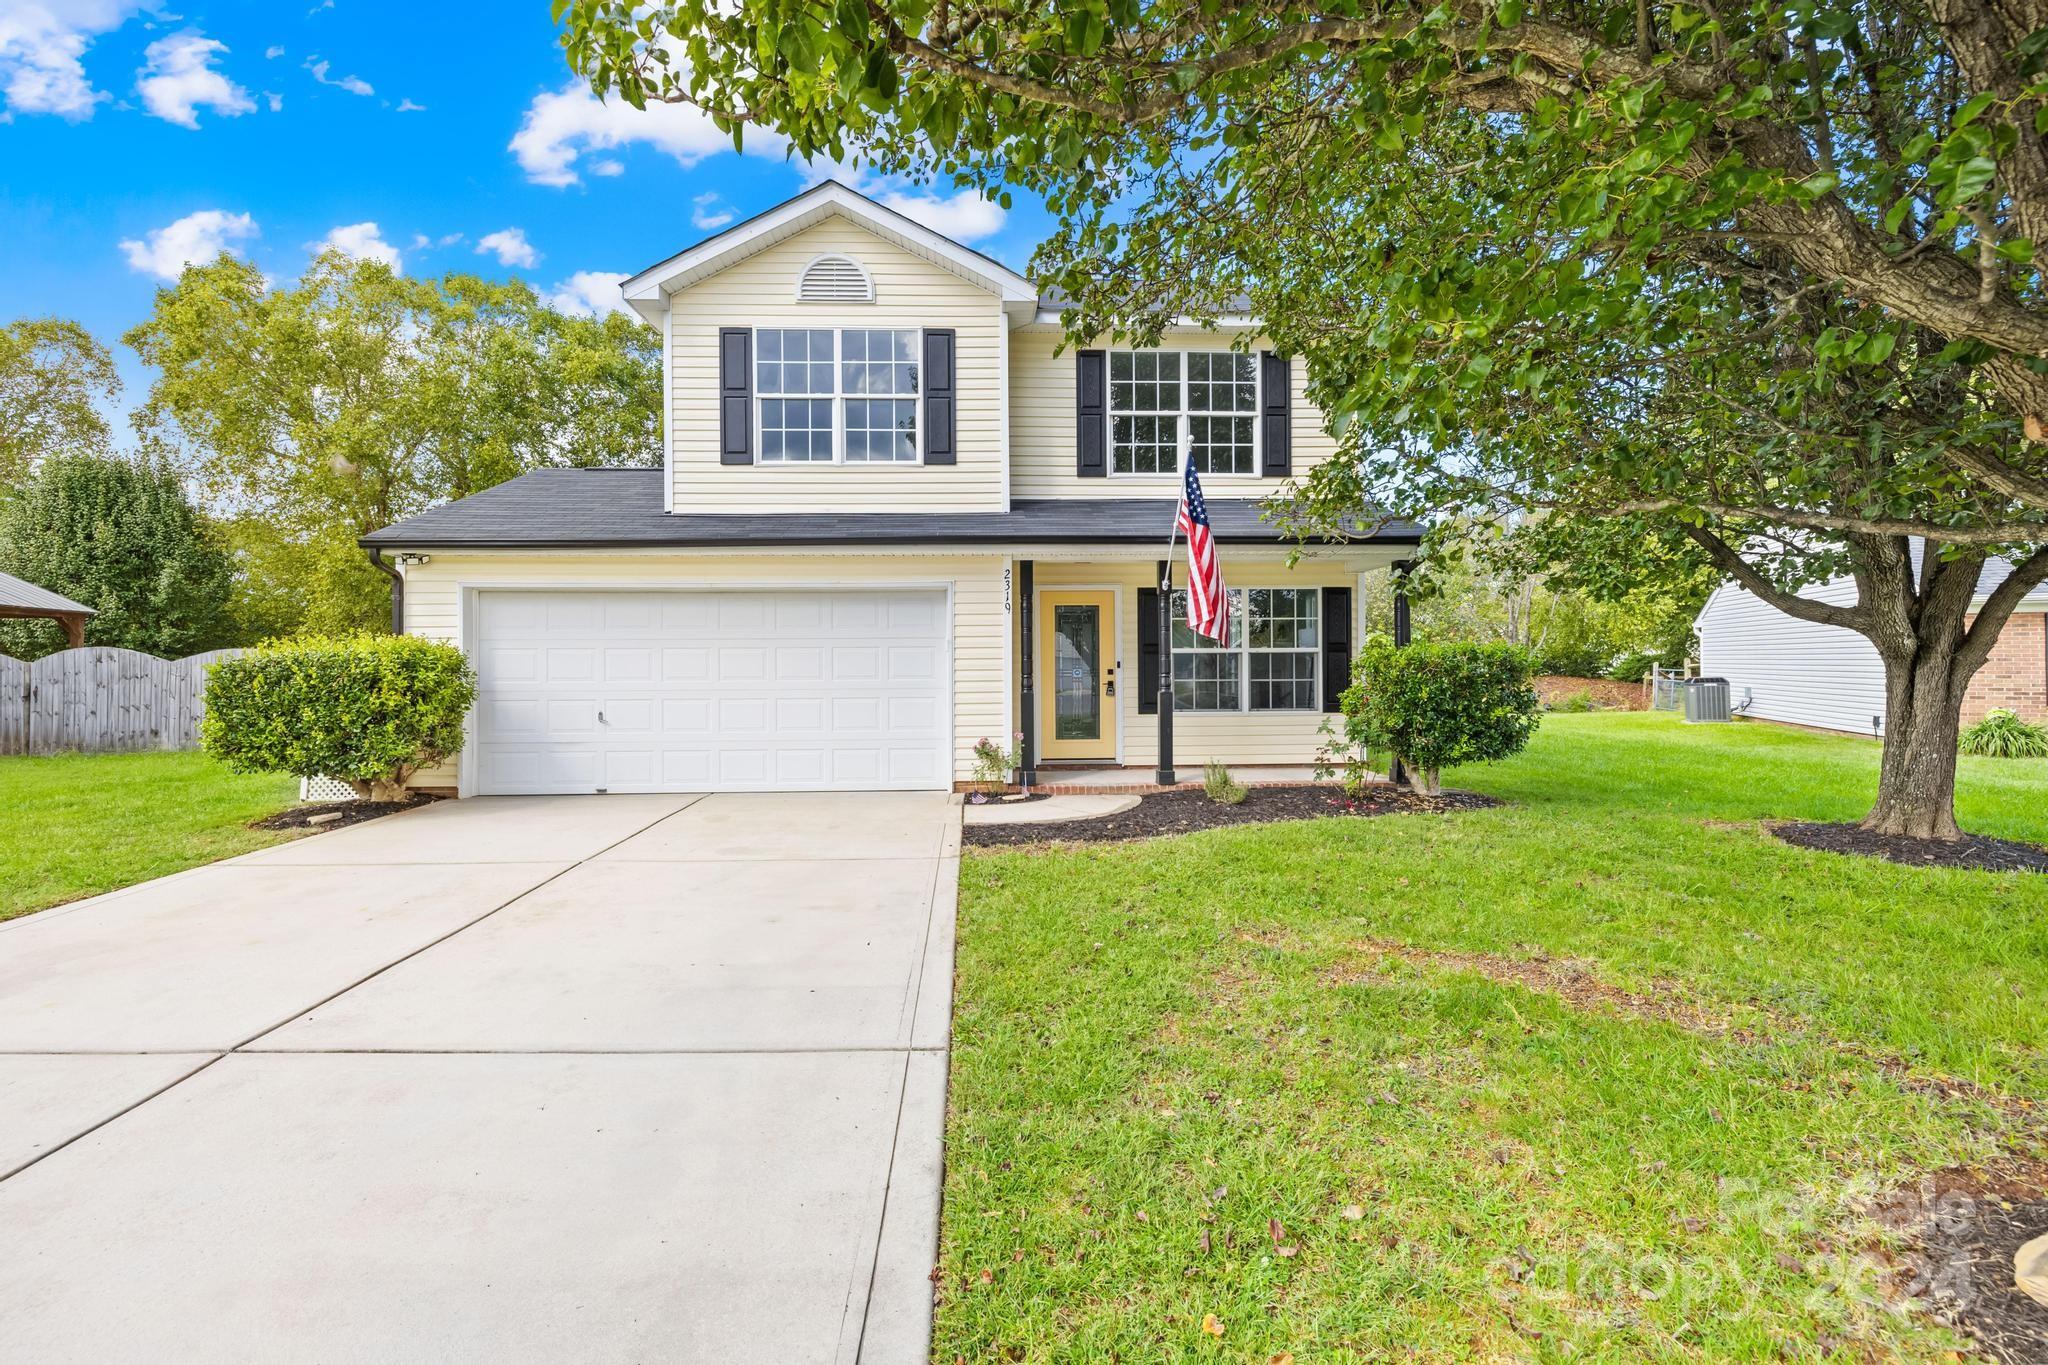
(135,136)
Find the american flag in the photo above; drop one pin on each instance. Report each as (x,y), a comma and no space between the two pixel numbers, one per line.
(1208,612)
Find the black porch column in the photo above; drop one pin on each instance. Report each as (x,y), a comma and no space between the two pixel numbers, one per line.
(1403,631)
(1165,776)
(1027,747)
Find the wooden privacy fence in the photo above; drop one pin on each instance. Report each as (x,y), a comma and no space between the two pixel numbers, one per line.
(102,701)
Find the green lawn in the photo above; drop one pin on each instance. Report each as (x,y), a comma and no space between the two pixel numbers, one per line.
(74,825)
(1644,1146)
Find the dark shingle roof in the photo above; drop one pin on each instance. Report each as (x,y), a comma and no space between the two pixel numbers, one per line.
(572,508)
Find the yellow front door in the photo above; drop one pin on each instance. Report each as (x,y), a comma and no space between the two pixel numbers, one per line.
(1077,674)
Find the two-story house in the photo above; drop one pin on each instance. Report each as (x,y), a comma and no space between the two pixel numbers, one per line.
(894,517)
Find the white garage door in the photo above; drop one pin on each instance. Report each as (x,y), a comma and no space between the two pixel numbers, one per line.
(711,691)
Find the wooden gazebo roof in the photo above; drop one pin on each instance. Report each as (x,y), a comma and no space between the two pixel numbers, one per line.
(21,598)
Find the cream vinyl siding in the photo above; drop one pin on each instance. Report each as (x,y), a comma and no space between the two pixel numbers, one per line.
(981,619)
(1042,427)
(910,291)
(1236,737)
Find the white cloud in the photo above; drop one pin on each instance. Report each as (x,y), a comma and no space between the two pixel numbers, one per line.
(708,211)
(362,241)
(41,43)
(194,239)
(273,52)
(562,125)
(408,107)
(588,293)
(965,217)
(178,80)
(608,166)
(274,100)
(510,247)
(355,85)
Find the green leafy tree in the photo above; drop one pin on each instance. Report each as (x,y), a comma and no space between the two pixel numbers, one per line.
(369,710)
(314,412)
(120,537)
(1756,283)
(53,376)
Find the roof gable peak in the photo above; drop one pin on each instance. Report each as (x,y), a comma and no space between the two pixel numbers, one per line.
(648,291)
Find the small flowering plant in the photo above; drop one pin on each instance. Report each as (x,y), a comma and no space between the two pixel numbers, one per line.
(993,764)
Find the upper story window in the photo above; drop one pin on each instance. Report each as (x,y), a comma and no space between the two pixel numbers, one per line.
(835,279)
(1158,399)
(830,395)
(1269,663)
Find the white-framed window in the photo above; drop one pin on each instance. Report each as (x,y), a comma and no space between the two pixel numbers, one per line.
(1271,663)
(793,373)
(837,395)
(878,375)
(1158,399)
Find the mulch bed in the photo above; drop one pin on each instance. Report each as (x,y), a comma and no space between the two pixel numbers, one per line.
(1968,1225)
(1976,851)
(1188,810)
(351,813)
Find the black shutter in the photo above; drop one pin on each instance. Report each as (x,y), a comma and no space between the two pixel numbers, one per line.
(1276,441)
(1091,414)
(1148,651)
(1336,647)
(938,397)
(735,395)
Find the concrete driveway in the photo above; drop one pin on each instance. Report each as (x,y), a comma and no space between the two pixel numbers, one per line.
(596,1078)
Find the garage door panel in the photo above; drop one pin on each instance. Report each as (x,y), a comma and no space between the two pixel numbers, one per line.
(575,613)
(856,663)
(634,612)
(799,663)
(800,715)
(628,665)
(711,690)
(574,663)
(742,663)
(916,616)
(628,770)
(685,664)
(686,717)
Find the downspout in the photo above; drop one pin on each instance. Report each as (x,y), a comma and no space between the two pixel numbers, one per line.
(1027,724)
(1403,631)
(397,590)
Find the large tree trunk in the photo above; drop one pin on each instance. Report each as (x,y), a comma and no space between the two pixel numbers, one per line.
(1916,785)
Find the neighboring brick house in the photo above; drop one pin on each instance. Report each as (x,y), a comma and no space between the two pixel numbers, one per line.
(2016,674)
(1783,669)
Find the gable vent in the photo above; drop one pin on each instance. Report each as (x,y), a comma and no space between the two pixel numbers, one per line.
(835,279)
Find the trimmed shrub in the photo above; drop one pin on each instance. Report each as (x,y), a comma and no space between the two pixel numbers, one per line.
(1573,661)
(1634,667)
(1219,786)
(1437,705)
(370,710)
(2002,734)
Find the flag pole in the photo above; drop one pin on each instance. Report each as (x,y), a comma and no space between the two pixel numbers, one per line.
(1164,775)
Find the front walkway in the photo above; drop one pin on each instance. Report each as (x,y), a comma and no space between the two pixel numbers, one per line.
(592,1078)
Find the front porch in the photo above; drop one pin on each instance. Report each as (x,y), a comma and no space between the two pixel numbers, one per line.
(1113,694)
